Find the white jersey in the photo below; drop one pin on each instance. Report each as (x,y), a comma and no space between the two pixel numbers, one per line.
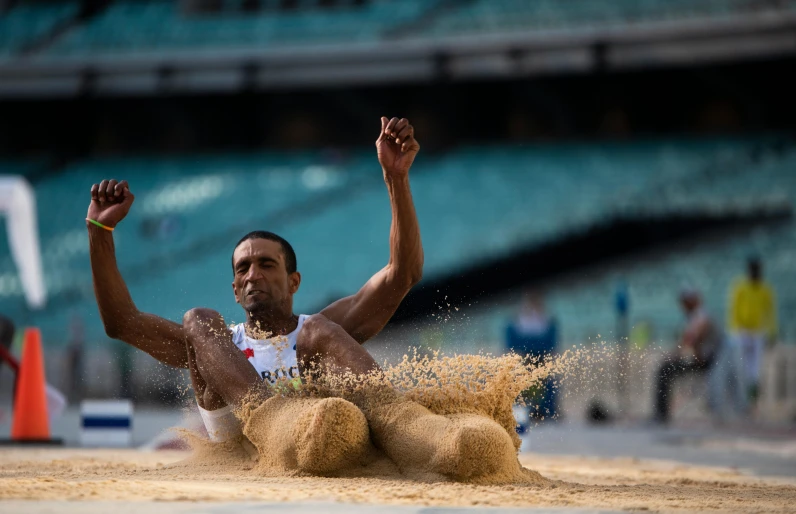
(272,358)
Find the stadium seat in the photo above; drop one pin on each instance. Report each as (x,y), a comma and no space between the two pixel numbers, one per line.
(142,26)
(26,23)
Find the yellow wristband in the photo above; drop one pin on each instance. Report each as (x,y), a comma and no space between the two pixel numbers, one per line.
(100,225)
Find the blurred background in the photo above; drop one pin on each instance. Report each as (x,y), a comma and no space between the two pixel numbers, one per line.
(586,165)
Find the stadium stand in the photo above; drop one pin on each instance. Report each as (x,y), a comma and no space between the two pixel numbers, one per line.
(135,27)
(25,23)
(475,204)
(584,300)
(506,16)
(26,167)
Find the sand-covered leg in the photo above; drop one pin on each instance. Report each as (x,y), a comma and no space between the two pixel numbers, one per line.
(325,347)
(474,446)
(216,363)
(462,446)
(313,435)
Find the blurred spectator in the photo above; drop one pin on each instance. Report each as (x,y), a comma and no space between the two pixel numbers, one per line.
(7,331)
(752,320)
(534,334)
(697,348)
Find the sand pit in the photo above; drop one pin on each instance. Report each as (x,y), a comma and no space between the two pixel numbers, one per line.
(453,413)
(620,484)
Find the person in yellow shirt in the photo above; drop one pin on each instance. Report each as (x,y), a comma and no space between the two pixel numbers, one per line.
(752,320)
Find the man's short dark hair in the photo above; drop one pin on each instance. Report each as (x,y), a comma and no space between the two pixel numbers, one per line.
(287,250)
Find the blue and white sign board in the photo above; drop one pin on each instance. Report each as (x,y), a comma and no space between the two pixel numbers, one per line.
(107,423)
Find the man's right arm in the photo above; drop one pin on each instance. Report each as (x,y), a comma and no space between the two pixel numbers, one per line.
(160,338)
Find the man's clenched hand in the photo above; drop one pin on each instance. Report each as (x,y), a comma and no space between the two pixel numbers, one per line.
(110,202)
(396,147)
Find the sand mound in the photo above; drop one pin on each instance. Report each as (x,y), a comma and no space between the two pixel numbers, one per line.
(462,447)
(312,435)
(475,448)
(432,417)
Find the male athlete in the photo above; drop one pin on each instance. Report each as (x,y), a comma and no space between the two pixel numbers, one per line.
(226,364)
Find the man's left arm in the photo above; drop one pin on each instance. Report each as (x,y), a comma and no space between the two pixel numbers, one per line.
(365,313)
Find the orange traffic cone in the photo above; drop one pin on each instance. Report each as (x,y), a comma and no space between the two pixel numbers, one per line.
(31,424)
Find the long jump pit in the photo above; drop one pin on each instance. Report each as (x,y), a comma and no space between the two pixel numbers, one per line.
(63,480)
(229,477)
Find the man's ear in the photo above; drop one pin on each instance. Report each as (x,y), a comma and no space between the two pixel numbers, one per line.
(294,281)
(235,292)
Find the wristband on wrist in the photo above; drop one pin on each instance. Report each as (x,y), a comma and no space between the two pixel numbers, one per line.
(100,225)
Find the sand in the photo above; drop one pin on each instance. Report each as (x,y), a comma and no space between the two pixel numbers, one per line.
(621,484)
(432,430)
(311,435)
(431,417)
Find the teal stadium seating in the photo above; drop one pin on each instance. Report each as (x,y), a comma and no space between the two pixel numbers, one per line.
(135,27)
(140,26)
(512,16)
(584,301)
(24,167)
(26,23)
(474,204)
(211,201)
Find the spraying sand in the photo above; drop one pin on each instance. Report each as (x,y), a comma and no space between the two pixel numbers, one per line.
(446,417)
(432,430)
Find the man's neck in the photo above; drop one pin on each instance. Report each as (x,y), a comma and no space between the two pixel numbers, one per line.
(276,325)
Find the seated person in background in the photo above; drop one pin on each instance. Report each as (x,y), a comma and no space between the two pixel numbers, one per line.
(697,347)
(534,334)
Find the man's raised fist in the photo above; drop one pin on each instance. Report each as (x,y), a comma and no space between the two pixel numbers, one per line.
(110,202)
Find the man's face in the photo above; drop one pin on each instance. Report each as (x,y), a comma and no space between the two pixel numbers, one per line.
(262,283)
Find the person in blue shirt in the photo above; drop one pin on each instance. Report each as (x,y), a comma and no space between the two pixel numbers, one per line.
(534,334)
